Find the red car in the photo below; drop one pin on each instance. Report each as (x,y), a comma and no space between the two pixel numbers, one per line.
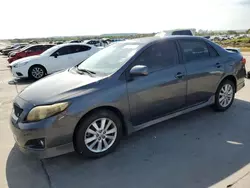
(29,51)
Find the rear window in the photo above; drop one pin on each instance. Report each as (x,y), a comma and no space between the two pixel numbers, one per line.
(194,50)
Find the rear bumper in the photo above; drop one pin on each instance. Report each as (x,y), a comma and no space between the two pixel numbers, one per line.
(240,86)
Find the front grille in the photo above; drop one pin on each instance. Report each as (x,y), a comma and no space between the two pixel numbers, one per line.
(17,110)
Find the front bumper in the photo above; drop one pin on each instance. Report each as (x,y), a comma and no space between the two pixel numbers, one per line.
(19,72)
(56,132)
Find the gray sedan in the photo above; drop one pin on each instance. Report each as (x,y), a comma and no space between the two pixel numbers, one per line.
(121,89)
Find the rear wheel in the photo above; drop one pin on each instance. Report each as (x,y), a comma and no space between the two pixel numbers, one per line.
(98,134)
(37,72)
(224,96)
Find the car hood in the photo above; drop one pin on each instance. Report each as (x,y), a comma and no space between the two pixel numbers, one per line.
(25,59)
(59,86)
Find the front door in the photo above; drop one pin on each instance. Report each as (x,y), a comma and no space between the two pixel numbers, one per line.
(204,69)
(163,90)
(59,60)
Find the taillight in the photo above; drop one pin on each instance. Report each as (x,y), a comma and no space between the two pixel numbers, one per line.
(243,61)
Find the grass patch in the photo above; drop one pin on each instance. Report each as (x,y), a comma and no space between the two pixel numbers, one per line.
(245,49)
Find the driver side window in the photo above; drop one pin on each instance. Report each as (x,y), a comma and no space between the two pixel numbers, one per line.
(159,56)
(62,51)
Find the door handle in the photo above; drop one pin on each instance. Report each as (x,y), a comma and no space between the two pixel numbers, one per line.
(179,75)
(218,65)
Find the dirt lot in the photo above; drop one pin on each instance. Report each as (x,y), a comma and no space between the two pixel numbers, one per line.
(199,149)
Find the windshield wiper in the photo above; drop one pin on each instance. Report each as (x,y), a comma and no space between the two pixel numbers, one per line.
(87,71)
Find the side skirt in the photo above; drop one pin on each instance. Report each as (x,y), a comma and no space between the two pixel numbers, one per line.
(175,114)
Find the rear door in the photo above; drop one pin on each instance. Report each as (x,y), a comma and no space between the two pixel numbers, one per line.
(204,69)
(46,47)
(163,90)
(78,54)
(35,50)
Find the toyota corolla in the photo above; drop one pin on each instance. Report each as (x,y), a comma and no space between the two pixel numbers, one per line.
(121,89)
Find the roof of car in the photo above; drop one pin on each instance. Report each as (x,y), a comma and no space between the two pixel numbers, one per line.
(70,44)
(155,38)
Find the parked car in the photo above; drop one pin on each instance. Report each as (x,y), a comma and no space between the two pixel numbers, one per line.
(5,51)
(54,59)
(59,42)
(96,42)
(121,89)
(17,49)
(30,50)
(175,32)
(74,41)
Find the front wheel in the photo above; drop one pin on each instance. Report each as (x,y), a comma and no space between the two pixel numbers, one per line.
(224,96)
(37,72)
(98,134)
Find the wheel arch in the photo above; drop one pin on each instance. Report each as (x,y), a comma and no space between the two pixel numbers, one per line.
(231,78)
(39,65)
(111,108)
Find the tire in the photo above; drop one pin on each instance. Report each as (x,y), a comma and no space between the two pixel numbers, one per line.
(248,74)
(229,94)
(37,72)
(91,143)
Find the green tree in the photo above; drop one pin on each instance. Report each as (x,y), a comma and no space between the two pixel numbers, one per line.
(231,32)
(248,31)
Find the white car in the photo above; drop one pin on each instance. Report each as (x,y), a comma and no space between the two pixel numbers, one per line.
(57,58)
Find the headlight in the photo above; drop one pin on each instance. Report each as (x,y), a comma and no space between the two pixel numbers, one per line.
(20,64)
(42,112)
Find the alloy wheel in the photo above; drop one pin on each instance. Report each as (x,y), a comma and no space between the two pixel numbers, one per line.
(100,135)
(226,95)
(37,72)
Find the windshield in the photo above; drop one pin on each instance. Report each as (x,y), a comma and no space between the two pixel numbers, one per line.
(112,58)
(50,51)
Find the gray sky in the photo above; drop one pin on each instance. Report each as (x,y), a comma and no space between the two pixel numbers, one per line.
(31,18)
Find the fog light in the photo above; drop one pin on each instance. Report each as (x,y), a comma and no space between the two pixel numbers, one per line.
(19,74)
(42,143)
(36,143)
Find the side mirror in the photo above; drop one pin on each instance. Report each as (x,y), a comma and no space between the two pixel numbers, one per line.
(55,55)
(139,70)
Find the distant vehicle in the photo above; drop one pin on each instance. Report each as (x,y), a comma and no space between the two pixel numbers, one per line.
(97,42)
(30,50)
(58,42)
(33,42)
(18,48)
(6,50)
(54,59)
(175,32)
(121,89)
(94,42)
(75,41)
(207,37)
